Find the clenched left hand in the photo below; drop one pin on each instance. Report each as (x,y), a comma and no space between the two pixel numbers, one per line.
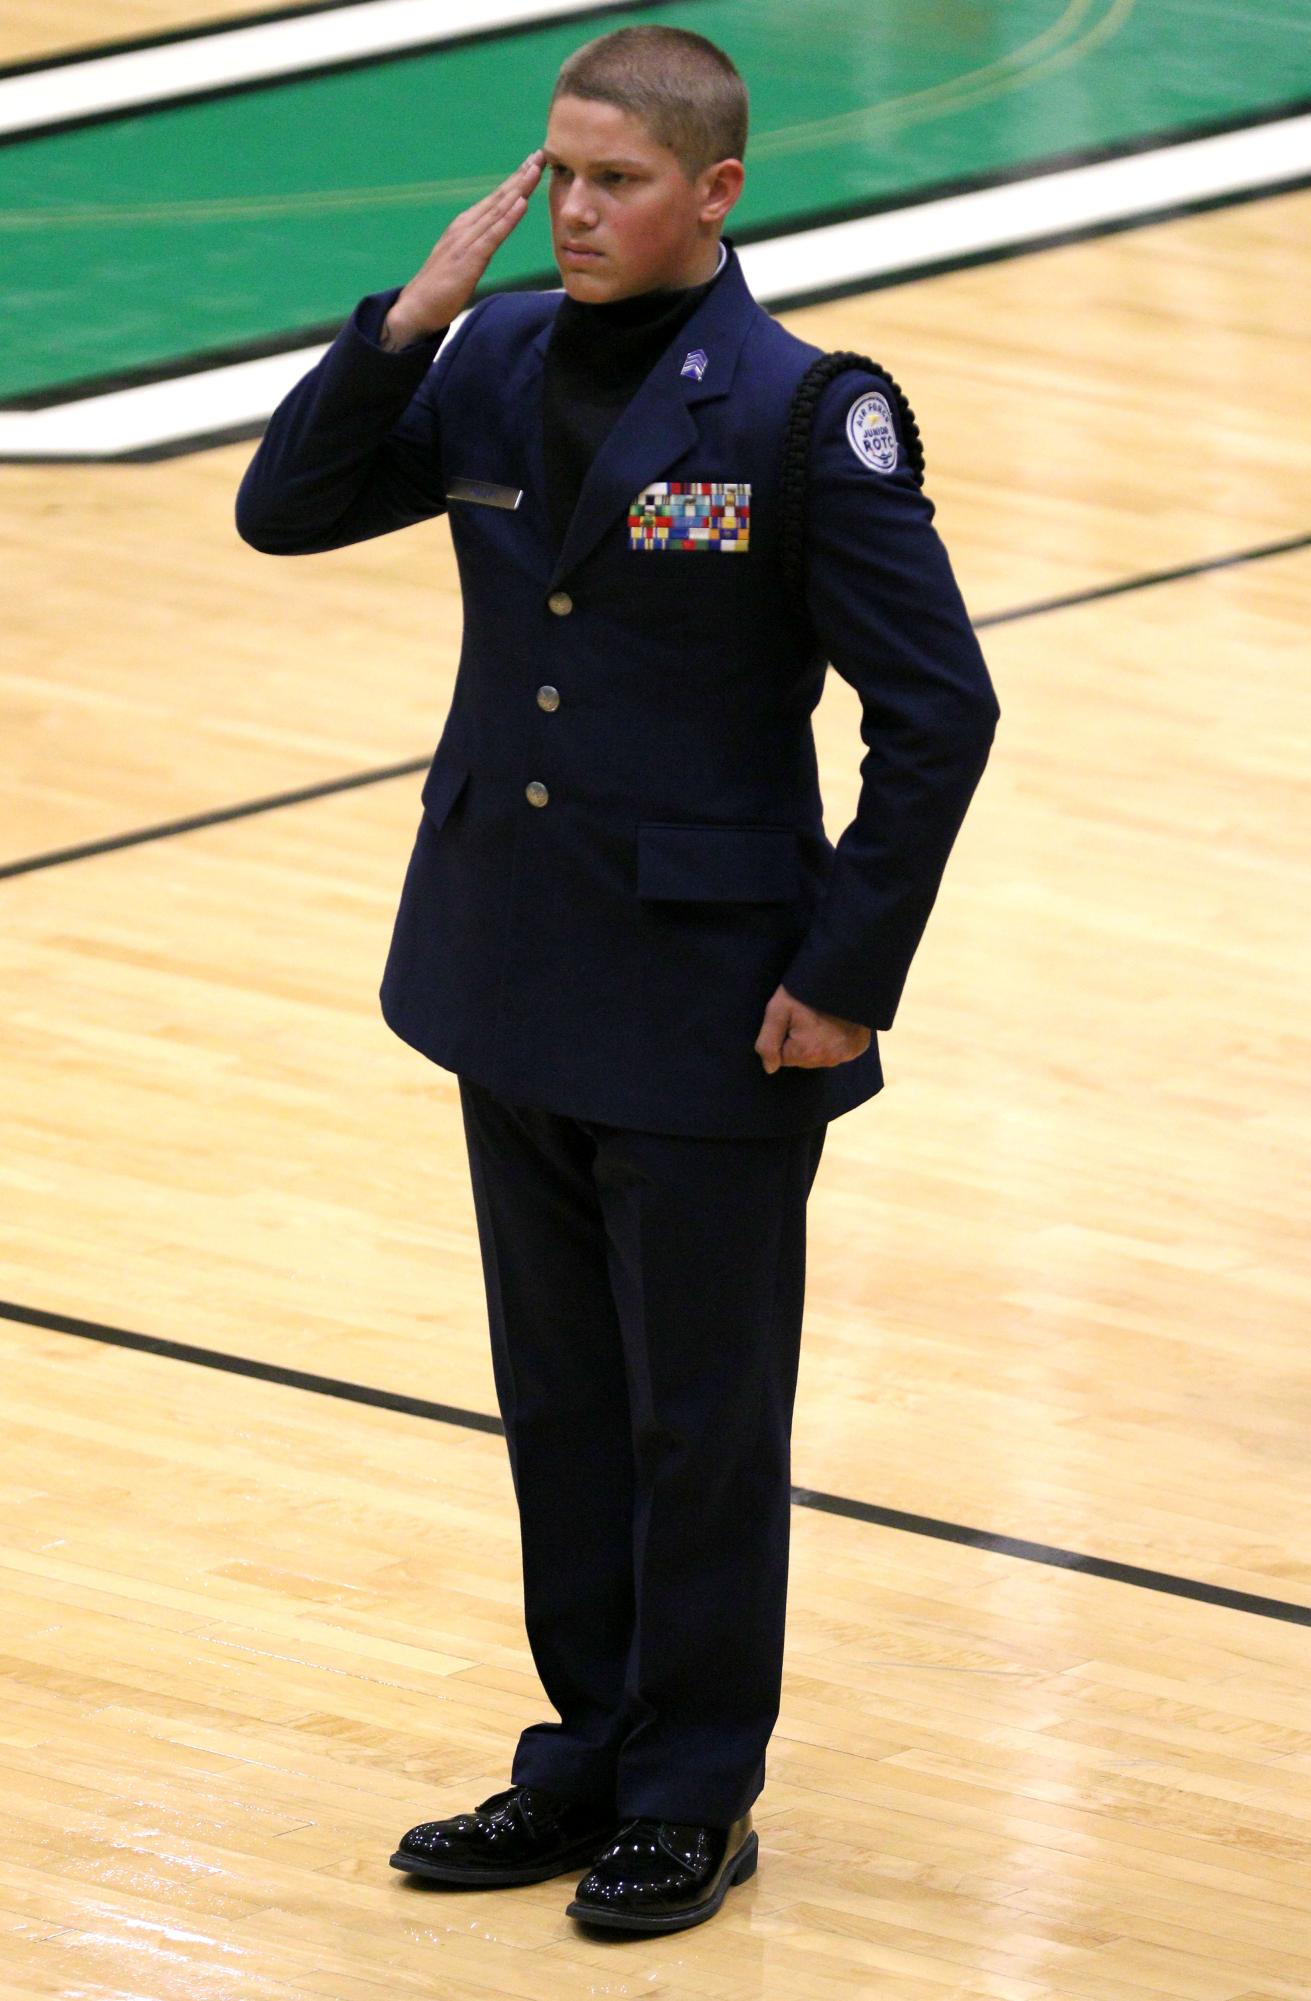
(794,1035)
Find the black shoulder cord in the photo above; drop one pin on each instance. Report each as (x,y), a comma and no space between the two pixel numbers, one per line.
(796,451)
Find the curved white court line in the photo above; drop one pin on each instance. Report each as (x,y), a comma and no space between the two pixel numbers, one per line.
(233,55)
(900,241)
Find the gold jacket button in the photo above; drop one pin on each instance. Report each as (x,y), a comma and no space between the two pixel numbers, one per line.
(548,698)
(561,603)
(536,793)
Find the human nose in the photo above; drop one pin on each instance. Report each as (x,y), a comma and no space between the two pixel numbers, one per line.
(577,208)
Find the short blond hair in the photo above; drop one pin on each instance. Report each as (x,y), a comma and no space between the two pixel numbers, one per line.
(684,88)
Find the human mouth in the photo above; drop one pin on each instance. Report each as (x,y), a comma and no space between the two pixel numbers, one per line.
(574,253)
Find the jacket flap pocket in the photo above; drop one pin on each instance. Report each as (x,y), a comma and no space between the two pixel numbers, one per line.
(702,864)
(441,788)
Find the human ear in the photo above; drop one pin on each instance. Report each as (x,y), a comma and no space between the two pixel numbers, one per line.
(721,186)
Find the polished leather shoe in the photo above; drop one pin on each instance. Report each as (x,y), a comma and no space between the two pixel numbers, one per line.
(663,1875)
(521,1835)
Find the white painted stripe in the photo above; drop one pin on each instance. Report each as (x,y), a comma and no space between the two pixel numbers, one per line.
(158,413)
(901,241)
(242,55)
(906,239)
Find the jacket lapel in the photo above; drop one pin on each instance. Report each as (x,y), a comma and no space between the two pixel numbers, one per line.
(658,426)
(523,392)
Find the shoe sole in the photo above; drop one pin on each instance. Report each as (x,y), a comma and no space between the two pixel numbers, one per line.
(738,1871)
(503,1878)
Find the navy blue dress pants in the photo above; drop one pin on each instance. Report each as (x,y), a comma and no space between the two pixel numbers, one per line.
(644,1297)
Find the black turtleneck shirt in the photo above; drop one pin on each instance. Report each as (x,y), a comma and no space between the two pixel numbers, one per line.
(597,357)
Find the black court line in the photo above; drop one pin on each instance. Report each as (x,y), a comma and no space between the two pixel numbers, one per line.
(1059,1559)
(1145,582)
(280,79)
(242,1365)
(802,1497)
(165,830)
(200,361)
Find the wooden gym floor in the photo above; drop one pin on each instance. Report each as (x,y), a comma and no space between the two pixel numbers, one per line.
(1059,1273)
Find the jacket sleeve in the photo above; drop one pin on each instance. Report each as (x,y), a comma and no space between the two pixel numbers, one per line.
(354,449)
(888,614)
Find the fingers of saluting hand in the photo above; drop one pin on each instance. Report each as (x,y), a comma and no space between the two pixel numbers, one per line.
(520,184)
(515,187)
(492,219)
(451,272)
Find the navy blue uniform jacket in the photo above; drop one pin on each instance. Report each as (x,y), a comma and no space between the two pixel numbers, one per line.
(608,951)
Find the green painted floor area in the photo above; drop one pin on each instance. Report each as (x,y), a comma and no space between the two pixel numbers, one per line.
(168,234)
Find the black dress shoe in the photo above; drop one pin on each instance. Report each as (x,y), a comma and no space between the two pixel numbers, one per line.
(522,1835)
(663,1875)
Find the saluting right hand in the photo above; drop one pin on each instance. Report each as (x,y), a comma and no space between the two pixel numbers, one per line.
(448,279)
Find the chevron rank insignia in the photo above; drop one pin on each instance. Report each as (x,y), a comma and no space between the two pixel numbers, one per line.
(696,364)
(691,514)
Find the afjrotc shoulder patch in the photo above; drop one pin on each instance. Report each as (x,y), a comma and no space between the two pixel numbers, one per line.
(691,514)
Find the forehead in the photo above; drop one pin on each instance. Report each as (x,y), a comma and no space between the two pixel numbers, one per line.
(584,133)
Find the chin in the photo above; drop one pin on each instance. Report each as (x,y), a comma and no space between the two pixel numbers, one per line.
(590,287)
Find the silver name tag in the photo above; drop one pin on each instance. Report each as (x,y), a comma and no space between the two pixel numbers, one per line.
(483,493)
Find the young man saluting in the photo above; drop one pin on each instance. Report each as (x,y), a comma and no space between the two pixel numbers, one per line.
(623,926)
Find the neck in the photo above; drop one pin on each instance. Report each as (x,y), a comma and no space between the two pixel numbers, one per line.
(703,267)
